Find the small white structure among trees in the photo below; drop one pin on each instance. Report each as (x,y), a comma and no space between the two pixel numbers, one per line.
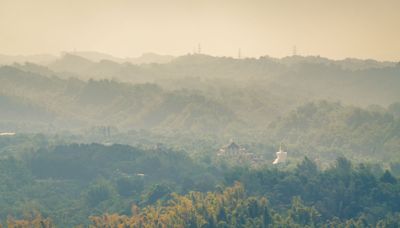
(280,156)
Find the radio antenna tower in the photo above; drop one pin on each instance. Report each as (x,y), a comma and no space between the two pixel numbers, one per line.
(239,53)
(199,48)
(294,50)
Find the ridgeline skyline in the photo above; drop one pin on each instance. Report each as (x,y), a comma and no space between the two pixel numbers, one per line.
(333,29)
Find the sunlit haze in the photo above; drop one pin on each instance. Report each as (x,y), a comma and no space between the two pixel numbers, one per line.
(335,29)
(199,113)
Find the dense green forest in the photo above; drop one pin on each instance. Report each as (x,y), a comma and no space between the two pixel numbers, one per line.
(88,140)
(69,183)
(199,114)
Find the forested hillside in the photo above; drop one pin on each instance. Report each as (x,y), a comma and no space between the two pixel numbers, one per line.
(353,81)
(106,143)
(199,114)
(327,130)
(70,183)
(199,99)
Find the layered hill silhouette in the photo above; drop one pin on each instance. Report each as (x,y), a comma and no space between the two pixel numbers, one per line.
(264,100)
(193,92)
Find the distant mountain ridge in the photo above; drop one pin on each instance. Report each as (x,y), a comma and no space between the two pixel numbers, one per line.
(145,58)
(46,59)
(195,92)
(283,108)
(43,59)
(75,104)
(358,82)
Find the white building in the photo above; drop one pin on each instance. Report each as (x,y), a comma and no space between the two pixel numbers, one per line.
(280,156)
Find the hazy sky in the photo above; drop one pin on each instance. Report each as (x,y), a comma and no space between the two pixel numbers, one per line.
(331,28)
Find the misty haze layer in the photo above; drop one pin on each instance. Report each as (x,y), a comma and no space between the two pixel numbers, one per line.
(337,29)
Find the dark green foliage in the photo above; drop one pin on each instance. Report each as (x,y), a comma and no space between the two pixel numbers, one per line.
(81,180)
(388,178)
(78,180)
(98,193)
(82,162)
(127,186)
(157,192)
(302,215)
(342,191)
